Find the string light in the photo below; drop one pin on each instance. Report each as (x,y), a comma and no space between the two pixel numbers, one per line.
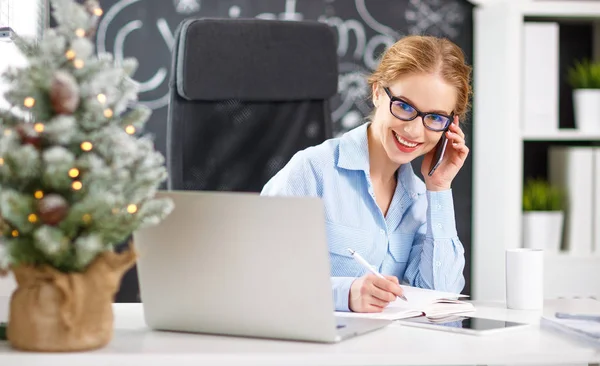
(73,172)
(39,195)
(132,208)
(101,98)
(86,218)
(86,146)
(78,63)
(7,132)
(70,54)
(79,32)
(108,113)
(15,233)
(98,12)
(38,127)
(1,161)
(29,102)
(130,130)
(32,218)
(76,185)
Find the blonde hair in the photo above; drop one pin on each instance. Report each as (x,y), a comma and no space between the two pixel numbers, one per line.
(427,54)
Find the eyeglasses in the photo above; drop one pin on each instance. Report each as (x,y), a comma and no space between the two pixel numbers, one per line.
(404,111)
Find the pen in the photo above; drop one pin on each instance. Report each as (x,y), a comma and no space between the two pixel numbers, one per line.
(366,264)
(590,317)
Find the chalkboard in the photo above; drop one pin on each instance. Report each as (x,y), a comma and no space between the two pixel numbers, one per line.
(144,29)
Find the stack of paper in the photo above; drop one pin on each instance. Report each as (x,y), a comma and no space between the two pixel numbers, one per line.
(435,305)
(584,330)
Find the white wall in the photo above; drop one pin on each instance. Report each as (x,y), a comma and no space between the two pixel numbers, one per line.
(7,285)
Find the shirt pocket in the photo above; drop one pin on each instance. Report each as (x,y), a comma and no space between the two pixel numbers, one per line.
(400,245)
(339,239)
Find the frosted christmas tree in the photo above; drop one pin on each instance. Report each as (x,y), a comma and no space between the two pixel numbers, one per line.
(76,176)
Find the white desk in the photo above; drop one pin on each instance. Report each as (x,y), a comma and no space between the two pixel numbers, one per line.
(133,344)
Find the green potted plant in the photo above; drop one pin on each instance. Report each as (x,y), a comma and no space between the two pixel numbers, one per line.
(543,215)
(584,78)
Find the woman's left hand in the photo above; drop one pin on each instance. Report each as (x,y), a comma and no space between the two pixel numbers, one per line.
(454,158)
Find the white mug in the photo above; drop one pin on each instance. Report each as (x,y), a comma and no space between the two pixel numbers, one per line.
(525,279)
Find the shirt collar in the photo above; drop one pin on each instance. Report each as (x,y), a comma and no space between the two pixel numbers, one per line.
(354,155)
(354,149)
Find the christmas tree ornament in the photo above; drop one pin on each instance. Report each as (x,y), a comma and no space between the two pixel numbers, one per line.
(132,208)
(84,182)
(73,173)
(28,135)
(32,218)
(93,8)
(64,93)
(38,127)
(78,63)
(52,209)
(29,102)
(86,146)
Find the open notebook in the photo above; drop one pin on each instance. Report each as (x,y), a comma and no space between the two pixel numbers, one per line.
(435,305)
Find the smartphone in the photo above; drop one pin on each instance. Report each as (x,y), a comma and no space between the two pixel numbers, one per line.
(440,149)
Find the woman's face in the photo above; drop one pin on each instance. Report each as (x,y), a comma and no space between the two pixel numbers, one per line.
(403,141)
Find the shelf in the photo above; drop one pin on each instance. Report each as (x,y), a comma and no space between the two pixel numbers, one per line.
(561,9)
(560,135)
(566,256)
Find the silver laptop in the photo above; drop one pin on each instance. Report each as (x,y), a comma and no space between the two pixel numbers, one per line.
(240,264)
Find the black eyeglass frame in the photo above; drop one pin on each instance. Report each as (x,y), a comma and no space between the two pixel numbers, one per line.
(419,113)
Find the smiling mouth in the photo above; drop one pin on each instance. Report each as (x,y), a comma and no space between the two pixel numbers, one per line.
(404,142)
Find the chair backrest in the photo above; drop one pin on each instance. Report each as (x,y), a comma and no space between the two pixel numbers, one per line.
(246,94)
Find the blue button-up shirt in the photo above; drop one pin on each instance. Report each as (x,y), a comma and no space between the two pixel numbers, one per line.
(417,239)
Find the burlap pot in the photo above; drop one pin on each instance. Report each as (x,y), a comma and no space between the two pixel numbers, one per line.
(51,311)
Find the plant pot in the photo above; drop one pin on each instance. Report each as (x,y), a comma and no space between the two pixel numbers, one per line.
(543,230)
(586,103)
(51,311)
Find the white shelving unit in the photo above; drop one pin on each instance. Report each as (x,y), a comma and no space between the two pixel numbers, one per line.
(498,149)
(561,135)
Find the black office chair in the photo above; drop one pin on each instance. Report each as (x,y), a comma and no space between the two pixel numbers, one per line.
(246,94)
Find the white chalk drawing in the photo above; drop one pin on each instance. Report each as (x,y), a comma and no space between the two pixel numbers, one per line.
(361,7)
(235,11)
(353,90)
(187,6)
(357,45)
(435,17)
(160,77)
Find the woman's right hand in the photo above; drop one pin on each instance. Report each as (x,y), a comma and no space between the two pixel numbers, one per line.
(371,294)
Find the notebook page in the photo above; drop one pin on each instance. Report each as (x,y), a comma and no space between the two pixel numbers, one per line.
(419,300)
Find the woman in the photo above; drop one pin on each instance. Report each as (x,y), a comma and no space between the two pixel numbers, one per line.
(374,202)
